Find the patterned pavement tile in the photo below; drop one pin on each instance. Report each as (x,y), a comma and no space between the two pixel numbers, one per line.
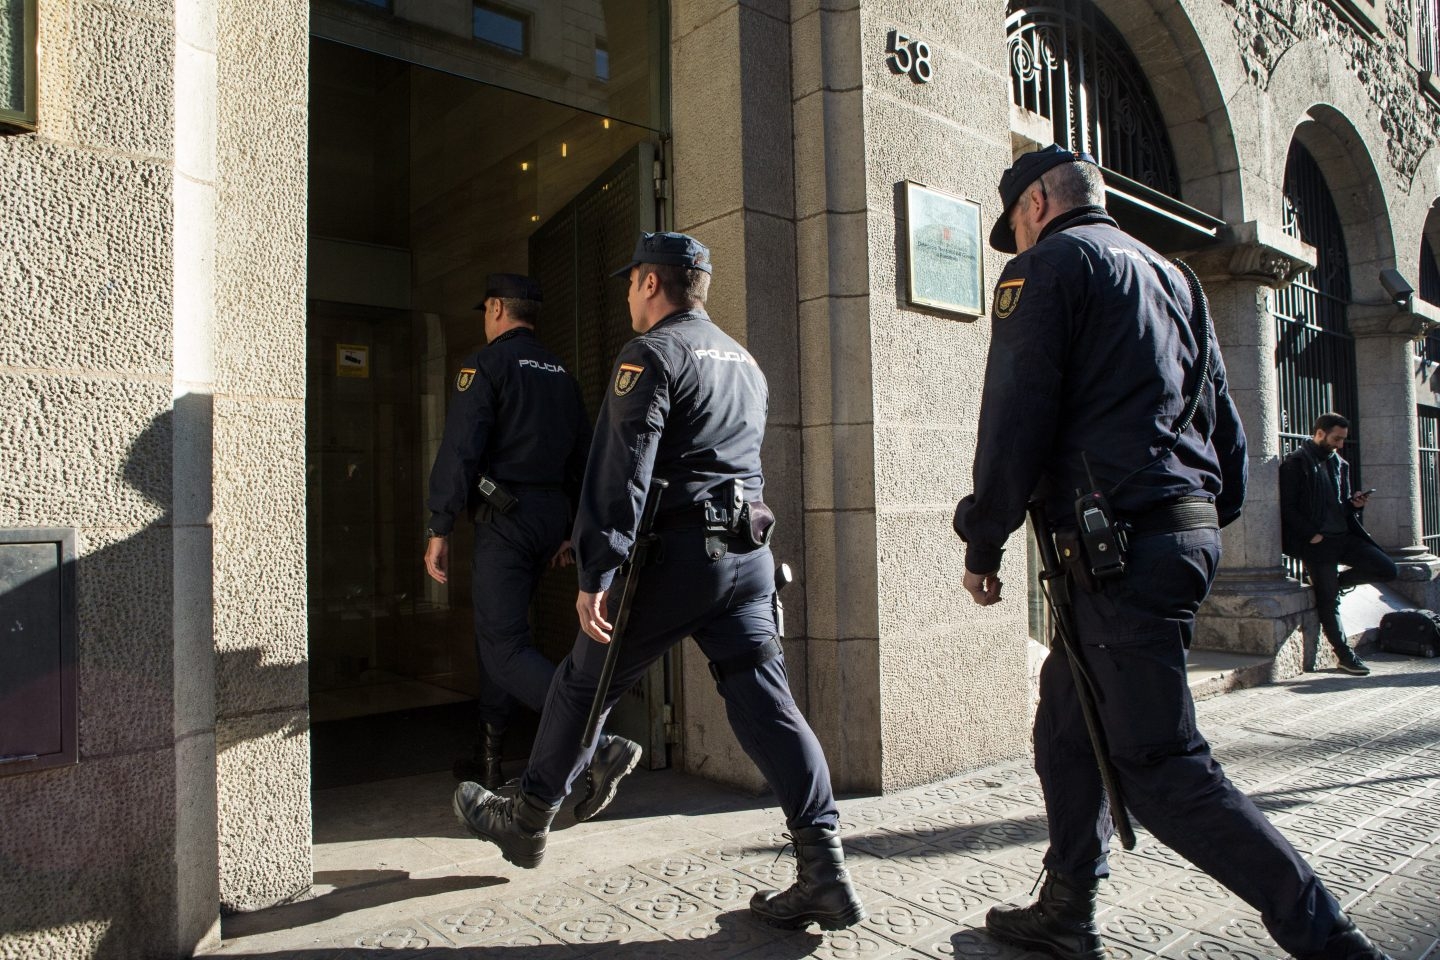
(856,943)
(413,935)
(664,909)
(723,890)
(888,875)
(613,887)
(1426,892)
(883,842)
(481,922)
(1398,912)
(600,925)
(970,944)
(676,868)
(1200,886)
(1202,947)
(1399,942)
(1131,925)
(951,901)
(724,853)
(736,933)
(1245,929)
(901,921)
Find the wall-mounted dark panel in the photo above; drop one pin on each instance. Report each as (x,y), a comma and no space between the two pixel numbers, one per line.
(37,649)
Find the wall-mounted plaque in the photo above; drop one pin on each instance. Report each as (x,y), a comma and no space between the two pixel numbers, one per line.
(945,262)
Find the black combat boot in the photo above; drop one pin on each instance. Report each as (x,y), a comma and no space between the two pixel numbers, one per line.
(1061,923)
(1348,943)
(821,893)
(484,766)
(614,758)
(517,825)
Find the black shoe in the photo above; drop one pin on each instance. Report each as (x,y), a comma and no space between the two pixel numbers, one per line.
(821,893)
(1348,943)
(1061,923)
(614,758)
(484,766)
(517,825)
(1351,663)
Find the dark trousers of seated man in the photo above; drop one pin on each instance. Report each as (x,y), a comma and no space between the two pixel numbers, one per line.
(1134,632)
(728,606)
(1367,563)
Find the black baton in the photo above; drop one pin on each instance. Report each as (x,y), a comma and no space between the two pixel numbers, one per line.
(630,569)
(1053,582)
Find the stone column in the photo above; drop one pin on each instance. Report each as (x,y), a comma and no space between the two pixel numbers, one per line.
(1254,608)
(1384,359)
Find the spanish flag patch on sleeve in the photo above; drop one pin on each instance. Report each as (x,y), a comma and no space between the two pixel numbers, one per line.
(626,377)
(1007,297)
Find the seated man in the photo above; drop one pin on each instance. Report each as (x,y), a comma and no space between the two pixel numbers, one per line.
(1320,526)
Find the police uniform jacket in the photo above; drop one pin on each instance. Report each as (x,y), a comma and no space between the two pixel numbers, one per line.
(688,404)
(1304,489)
(516,417)
(1094,349)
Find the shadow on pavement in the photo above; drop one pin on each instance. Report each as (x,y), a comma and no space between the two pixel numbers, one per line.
(380,888)
(731,933)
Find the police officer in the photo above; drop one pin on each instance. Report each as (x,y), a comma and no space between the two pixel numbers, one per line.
(1096,348)
(688,404)
(514,450)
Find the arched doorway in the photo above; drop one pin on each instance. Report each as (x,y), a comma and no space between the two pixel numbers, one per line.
(1315,350)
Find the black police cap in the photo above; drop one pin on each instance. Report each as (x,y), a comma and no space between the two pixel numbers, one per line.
(1025,171)
(670,249)
(510,286)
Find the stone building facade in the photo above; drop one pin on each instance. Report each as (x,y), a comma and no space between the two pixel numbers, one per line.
(153,350)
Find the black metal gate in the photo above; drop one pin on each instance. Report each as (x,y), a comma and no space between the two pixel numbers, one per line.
(1071,66)
(1429,422)
(1315,351)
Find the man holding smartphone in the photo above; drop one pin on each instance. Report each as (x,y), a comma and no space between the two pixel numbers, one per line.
(1320,526)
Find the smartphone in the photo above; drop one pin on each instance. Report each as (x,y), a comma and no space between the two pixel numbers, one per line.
(1365,493)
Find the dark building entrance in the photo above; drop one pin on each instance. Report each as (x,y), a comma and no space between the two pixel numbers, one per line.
(450,140)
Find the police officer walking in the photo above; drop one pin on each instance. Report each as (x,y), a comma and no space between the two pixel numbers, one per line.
(687,404)
(1097,349)
(514,450)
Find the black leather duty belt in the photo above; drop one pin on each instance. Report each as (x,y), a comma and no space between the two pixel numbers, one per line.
(1174,516)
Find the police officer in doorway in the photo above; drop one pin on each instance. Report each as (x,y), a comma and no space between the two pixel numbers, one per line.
(687,404)
(1097,347)
(513,452)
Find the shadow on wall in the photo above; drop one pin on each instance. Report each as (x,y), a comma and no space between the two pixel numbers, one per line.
(88,852)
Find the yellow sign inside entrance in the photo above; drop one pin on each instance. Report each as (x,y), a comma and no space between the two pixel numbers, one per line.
(352,360)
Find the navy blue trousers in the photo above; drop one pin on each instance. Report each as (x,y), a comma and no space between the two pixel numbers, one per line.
(1134,633)
(512,552)
(728,606)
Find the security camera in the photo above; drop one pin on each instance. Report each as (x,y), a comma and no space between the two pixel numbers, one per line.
(1396,286)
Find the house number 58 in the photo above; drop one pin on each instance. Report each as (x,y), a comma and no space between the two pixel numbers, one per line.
(905,55)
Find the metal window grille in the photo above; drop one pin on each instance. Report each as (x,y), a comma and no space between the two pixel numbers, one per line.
(1429,451)
(1315,351)
(1071,66)
(1427,20)
(1429,348)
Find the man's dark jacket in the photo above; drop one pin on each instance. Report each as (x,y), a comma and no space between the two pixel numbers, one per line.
(1304,490)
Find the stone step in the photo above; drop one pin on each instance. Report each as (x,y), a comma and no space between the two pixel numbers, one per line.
(1213,672)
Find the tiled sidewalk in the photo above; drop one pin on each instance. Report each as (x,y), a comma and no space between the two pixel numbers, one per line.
(1348,768)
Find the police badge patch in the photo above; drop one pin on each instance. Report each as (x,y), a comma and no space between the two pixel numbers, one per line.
(467,377)
(1007,298)
(626,377)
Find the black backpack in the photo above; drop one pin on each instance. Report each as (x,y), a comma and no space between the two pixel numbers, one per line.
(1415,633)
